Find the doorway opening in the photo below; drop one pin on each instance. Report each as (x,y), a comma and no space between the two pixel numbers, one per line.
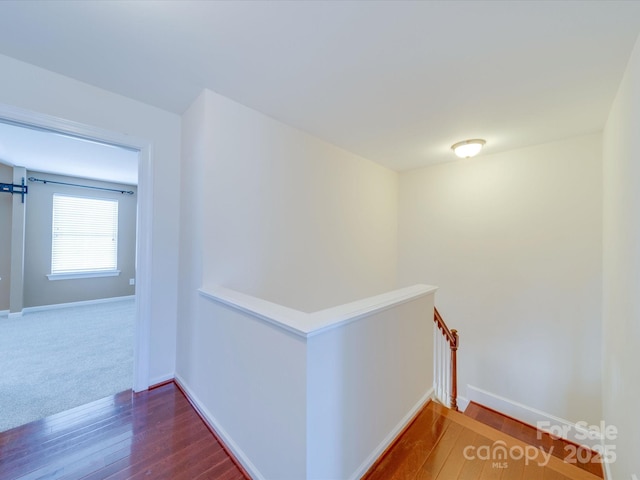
(25,301)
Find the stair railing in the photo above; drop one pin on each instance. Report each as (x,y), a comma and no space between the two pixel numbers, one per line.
(446,344)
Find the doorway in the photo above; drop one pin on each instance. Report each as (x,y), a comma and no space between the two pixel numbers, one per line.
(54,126)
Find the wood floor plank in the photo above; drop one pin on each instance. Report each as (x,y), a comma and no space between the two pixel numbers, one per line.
(586,459)
(456,459)
(550,474)
(225,472)
(579,456)
(438,456)
(417,450)
(49,426)
(513,470)
(494,421)
(552,462)
(533,472)
(122,429)
(514,429)
(60,426)
(471,410)
(409,452)
(148,451)
(154,434)
(145,458)
(173,465)
(490,471)
(115,458)
(157,434)
(471,470)
(210,461)
(41,468)
(445,432)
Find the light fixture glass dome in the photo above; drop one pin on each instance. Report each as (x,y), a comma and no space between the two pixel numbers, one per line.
(468,148)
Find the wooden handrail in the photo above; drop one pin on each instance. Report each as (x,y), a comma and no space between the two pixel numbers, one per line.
(443,327)
(454,341)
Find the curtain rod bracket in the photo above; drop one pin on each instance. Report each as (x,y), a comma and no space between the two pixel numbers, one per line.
(13,188)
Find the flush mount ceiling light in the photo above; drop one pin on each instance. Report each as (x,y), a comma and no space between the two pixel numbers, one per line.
(468,148)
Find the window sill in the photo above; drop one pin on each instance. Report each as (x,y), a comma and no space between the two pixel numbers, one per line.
(78,275)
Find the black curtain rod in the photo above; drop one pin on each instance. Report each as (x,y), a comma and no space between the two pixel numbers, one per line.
(124,192)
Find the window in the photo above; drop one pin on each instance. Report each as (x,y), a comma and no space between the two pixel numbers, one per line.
(85,237)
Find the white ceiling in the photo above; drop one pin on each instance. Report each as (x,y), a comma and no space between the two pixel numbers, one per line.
(48,152)
(396,82)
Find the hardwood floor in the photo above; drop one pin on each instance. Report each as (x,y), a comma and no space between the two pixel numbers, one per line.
(441,444)
(155,434)
(582,457)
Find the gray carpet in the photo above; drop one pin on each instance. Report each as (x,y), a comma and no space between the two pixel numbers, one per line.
(54,360)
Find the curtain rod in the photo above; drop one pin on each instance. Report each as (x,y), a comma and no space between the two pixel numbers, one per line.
(124,192)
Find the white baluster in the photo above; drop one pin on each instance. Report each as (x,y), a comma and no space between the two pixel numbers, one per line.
(436,359)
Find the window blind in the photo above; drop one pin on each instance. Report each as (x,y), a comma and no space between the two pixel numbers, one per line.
(85,235)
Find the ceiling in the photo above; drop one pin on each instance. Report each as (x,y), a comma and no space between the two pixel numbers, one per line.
(396,82)
(48,152)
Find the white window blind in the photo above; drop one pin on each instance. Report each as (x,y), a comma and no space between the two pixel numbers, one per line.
(85,235)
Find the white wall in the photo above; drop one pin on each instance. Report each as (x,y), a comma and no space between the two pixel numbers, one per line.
(18,214)
(290,218)
(6,205)
(29,87)
(270,211)
(250,378)
(513,240)
(365,380)
(317,396)
(621,299)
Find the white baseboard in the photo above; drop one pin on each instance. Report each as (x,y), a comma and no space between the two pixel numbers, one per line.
(14,314)
(252,469)
(161,379)
(4,313)
(379,450)
(534,417)
(463,403)
(77,304)
(214,425)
